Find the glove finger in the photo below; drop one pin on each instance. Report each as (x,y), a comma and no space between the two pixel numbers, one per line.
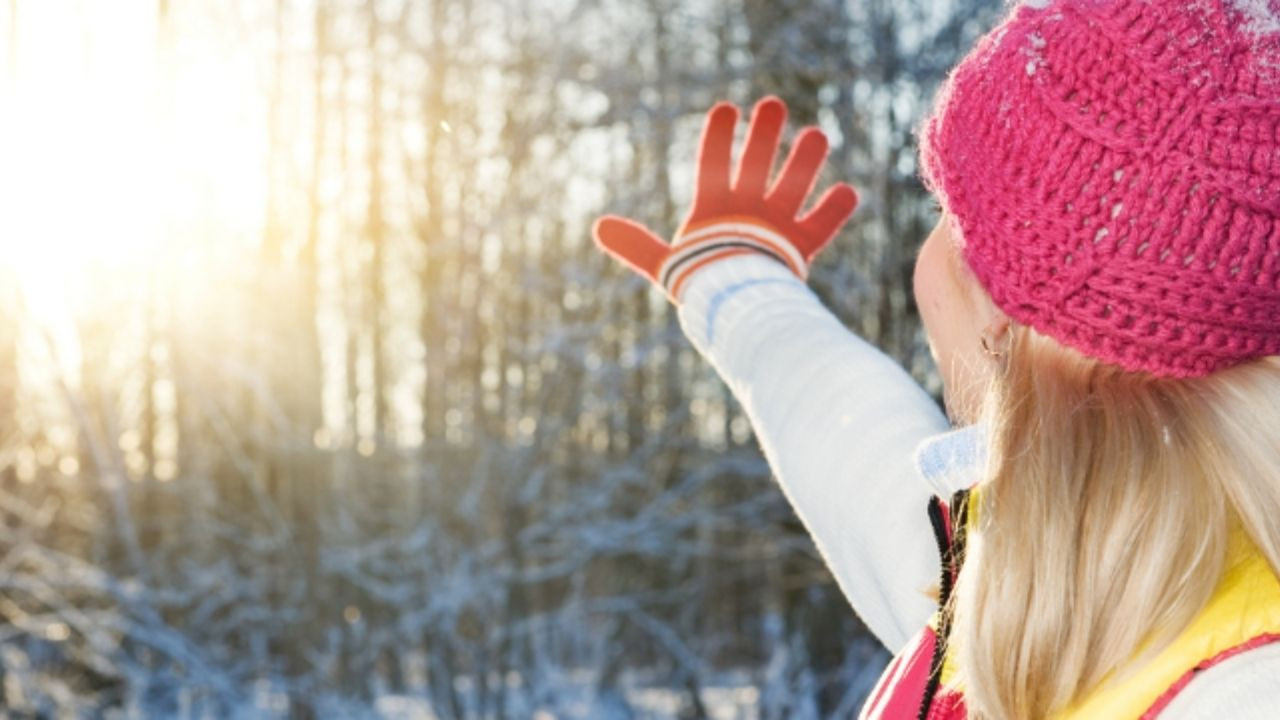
(761,147)
(832,211)
(714,157)
(800,172)
(632,243)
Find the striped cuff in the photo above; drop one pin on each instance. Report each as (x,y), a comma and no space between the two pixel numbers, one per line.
(705,245)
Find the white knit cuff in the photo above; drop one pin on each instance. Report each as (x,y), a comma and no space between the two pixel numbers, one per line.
(723,293)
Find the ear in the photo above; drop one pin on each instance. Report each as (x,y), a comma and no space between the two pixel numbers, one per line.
(995,334)
(997,327)
(988,318)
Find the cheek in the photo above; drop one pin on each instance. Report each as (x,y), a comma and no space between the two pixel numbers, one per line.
(943,311)
(928,286)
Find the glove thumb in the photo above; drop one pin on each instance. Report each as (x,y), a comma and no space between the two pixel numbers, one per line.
(631,243)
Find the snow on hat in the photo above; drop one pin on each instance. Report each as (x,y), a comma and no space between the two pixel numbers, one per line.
(1113,169)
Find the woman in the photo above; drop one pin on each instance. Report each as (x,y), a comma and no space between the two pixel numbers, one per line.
(1102,295)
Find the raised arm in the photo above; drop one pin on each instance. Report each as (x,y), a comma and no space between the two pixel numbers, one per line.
(837,420)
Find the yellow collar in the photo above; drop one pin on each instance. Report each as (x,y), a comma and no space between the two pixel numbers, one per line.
(1245,604)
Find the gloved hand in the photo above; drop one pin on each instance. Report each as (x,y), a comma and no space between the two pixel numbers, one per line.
(744,216)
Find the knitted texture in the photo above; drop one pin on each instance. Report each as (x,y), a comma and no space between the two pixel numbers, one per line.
(1113,169)
(740,212)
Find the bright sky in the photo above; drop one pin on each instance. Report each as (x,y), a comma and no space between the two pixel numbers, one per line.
(112,152)
(79,132)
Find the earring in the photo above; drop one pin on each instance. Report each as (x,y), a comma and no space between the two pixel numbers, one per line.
(986,348)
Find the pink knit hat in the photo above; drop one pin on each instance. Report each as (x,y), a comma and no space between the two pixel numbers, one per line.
(1114,170)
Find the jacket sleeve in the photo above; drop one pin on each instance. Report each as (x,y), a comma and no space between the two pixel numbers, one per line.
(1244,687)
(838,422)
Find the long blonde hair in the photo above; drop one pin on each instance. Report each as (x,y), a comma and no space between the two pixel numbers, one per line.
(1103,524)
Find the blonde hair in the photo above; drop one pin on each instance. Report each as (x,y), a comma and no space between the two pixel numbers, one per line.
(1103,525)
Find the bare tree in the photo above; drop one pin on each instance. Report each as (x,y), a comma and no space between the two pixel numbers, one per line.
(409,438)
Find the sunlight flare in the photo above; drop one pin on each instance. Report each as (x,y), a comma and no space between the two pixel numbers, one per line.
(117,154)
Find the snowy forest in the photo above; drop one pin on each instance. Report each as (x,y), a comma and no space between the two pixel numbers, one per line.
(317,400)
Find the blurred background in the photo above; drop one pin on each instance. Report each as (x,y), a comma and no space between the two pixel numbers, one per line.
(317,400)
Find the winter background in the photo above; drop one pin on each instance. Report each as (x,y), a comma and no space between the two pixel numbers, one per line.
(317,400)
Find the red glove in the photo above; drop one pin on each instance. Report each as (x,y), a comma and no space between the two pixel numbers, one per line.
(742,217)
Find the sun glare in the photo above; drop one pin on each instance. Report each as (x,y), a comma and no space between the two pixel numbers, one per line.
(114,153)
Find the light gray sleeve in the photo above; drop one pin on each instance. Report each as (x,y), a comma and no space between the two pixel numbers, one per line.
(838,422)
(1243,687)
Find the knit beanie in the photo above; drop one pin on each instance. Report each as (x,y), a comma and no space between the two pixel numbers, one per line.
(1113,171)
